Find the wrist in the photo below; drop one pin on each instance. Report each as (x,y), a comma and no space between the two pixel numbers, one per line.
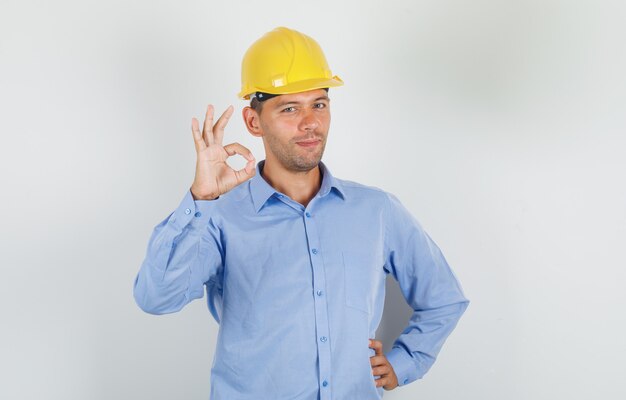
(197,195)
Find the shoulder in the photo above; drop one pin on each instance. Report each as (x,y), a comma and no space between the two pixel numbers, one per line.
(370,193)
(390,206)
(233,200)
(360,189)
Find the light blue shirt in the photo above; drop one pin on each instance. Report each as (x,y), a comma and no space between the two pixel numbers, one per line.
(299,291)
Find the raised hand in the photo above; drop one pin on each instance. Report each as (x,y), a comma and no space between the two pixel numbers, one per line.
(214,176)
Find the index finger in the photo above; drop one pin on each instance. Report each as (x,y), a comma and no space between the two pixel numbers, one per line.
(377,345)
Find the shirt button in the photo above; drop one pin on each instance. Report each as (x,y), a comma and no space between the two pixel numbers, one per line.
(319,292)
(314,251)
(323,338)
(405,381)
(187,211)
(324,383)
(308,215)
(198,213)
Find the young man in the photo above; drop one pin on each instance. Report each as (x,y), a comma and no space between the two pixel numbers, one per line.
(293,259)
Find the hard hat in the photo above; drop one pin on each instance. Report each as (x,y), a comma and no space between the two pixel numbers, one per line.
(285,61)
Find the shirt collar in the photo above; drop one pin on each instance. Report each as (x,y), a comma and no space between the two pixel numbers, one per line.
(261,190)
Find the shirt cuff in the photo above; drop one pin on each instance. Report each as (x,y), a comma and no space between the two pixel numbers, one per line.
(403,365)
(196,212)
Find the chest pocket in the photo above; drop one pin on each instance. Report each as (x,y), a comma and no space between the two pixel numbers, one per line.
(361,278)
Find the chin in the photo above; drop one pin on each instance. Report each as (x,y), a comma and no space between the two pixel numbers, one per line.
(305,166)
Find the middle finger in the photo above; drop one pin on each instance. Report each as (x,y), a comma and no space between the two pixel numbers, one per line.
(377,360)
(380,371)
(221,124)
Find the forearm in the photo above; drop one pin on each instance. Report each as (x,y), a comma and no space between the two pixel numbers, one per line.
(429,287)
(181,255)
(415,350)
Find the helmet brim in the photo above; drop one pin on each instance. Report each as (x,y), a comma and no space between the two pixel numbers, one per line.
(295,87)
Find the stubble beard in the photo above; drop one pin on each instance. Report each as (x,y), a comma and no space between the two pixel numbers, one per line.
(291,158)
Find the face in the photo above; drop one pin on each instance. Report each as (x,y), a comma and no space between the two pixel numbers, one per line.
(295,128)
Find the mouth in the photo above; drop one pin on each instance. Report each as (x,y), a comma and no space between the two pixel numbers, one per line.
(309,143)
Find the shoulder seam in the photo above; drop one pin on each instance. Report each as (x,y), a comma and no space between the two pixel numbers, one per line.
(356,185)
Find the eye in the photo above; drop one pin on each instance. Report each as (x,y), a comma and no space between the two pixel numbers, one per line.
(289,109)
(320,105)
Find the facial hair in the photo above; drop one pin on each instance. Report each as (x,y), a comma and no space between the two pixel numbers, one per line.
(290,158)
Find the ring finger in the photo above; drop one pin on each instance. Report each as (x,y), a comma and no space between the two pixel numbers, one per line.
(207,128)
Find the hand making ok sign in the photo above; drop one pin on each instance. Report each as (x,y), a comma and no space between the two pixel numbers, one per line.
(214,176)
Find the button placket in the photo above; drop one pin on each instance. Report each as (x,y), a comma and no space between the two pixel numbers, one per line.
(321,310)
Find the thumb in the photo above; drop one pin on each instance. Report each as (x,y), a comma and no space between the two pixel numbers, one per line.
(246,172)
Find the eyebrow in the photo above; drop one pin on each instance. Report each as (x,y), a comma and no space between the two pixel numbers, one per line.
(284,103)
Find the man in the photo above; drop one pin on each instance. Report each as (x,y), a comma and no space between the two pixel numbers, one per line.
(294,260)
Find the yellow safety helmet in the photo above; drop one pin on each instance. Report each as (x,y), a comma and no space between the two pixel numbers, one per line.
(285,61)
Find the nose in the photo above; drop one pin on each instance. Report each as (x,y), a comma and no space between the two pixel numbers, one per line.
(309,121)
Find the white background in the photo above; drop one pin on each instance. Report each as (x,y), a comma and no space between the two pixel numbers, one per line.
(499,124)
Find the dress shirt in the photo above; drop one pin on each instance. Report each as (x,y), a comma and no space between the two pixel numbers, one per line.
(299,291)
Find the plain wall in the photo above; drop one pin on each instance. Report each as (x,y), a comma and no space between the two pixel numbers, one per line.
(499,124)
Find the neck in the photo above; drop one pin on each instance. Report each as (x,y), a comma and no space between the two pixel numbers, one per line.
(301,186)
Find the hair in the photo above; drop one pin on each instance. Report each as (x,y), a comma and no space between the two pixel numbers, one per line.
(256,105)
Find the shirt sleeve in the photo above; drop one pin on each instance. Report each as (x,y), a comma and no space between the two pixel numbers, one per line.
(184,253)
(429,287)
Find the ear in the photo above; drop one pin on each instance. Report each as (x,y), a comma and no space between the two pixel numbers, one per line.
(252,120)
